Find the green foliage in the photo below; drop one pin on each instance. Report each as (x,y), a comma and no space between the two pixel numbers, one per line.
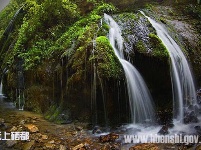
(159,50)
(104,8)
(77,30)
(38,30)
(40,36)
(8,12)
(149,6)
(128,16)
(36,53)
(104,30)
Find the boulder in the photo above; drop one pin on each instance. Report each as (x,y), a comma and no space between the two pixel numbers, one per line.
(163,130)
(190,117)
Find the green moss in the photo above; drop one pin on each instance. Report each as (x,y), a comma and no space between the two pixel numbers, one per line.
(107,63)
(103,30)
(159,50)
(104,8)
(127,16)
(141,47)
(53,114)
(149,6)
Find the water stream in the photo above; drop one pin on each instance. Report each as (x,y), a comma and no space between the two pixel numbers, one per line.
(184,93)
(139,97)
(1,86)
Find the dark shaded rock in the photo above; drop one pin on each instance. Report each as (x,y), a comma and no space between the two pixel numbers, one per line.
(29,145)
(10,143)
(190,117)
(163,130)
(78,128)
(65,118)
(2,123)
(198,147)
(109,137)
(96,130)
(198,129)
(115,147)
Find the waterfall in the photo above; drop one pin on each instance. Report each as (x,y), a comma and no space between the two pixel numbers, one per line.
(139,97)
(11,23)
(94,87)
(184,93)
(1,86)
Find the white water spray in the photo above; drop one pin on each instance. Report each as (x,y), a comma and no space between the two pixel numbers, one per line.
(184,93)
(139,97)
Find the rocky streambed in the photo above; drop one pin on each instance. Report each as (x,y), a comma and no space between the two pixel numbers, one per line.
(44,135)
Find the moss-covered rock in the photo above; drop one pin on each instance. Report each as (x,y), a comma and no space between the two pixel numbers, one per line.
(108,64)
(159,50)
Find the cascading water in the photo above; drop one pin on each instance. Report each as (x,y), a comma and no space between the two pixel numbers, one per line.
(11,23)
(1,86)
(139,97)
(184,93)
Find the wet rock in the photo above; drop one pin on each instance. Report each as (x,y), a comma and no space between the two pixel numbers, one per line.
(32,128)
(35,118)
(106,147)
(44,137)
(190,117)
(22,122)
(78,146)
(108,138)
(49,145)
(78,128)
(51,142)
(163,130)
(144,147)
(2,122)
(96,130)
(29,145)
(37,137)
(33,121)
(65,117)
(62,147)
(4,126)
(198,129)
(13,129)
(198,147)
(115,147)
(10,143)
